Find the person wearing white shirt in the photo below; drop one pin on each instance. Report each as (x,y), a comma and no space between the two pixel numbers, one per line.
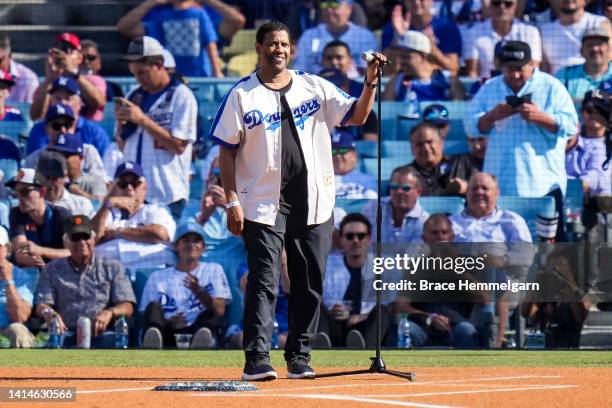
(129,230)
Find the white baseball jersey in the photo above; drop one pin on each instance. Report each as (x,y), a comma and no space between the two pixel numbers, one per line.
(76,204)
(167,288)
(167,173)
(249,120)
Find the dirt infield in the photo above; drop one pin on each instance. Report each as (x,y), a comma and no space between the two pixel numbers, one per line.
(434,387)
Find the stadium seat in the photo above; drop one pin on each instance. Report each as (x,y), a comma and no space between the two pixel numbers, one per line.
(529,208)
(243,41)
(10,157)
(370,166)
(574,196)
(242,64)
(191,210)
(139,279)
(445,205)
(108,121)
(351,205)
(397,148)
(366,148)
(4,213)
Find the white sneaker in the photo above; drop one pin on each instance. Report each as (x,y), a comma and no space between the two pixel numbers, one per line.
(202,339)
(152,339)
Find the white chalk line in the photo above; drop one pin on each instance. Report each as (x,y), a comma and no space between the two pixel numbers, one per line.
(427,394)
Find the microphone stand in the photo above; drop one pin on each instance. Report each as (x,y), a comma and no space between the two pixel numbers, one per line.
(378,364)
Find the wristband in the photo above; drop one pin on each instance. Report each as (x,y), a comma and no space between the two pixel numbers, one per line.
(232,204)
(370,85)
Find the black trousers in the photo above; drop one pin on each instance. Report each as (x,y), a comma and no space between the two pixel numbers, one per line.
(307,249)
(338,329)
(154,317)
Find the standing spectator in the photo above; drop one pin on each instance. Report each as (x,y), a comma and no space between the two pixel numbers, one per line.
(16,298)
(26,81)
(129,230)
(335,26)
(7,113)
(561,39)
(597,69)
(35,226)
(156,126)
(305,14)
(416,73)
(226,19)
(402,215)
(84,284)
(63,60)
(183,27)
(188,298)
(92,65)
(443,35)
(528,116)
(350,182)
(66,91)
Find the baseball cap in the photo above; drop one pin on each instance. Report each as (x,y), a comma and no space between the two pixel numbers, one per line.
(169,61)
(26,176)
(596,32)
(514,54)
(188,228)
(342,139)
(334,75)
(67,143)
(325,3)
(414,41)
(129,167)
(57,111)
(51,165)
(436,114)
(143,47)
(7,78)
(69,38)
(78,224)
(4,238)
(66,83)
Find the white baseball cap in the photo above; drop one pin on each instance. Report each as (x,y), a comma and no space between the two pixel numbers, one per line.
(4,238)
(24,175)
(143,47)
(169,61)
(414,41)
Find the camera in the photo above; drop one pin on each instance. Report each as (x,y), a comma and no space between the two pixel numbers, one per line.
(515,101)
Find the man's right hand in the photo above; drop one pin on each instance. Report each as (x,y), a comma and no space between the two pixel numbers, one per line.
(49,316)
(122,203)
(52,71)
(6,270)
(502,111)
(235,220)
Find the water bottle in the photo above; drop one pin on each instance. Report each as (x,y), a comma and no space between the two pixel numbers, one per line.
(121,333)
(403,333)
(55,335)
(413,110)
(275,335)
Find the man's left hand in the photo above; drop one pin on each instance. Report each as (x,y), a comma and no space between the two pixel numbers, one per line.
(529,112)
(129,112)
(101,322)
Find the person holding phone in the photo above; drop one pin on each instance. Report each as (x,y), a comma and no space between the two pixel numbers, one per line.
(528,116)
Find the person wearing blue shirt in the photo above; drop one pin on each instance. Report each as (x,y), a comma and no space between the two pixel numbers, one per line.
(528,116)
(66,91)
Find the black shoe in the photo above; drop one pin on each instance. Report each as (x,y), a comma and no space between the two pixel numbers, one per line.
(298,368)
(258,370)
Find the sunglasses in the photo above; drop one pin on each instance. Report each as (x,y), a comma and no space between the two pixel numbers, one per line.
(58,125)
(395,186)
(80,237)
(506,4)
(341,151)
(122,184)
(90,58)
(329,4)
(351,235)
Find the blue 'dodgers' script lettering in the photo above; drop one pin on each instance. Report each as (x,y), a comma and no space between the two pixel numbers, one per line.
(301,114)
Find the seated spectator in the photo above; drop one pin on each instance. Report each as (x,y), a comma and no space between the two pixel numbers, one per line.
(63,60)
(335,26)
(416,73)
(402,215)
(52,171)
(92,65)
(443,34)
(35,225)
(482,37)
(305,14)
(595,49)
(437,115)
(585,153)
(478,150)
(348,281)
(561,311)
(188,298)
(16,298)
(350,182)
(26,80)
(440,174)
(64,282)
(66,91)
(183,27)
(561,38)
(129,230)
(7,113)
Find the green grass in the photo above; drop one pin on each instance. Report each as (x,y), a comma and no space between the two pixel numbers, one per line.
(331,358)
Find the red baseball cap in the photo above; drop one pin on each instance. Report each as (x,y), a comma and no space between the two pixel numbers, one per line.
(6,77)
(70,38)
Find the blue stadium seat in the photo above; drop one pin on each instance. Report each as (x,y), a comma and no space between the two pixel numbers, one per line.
(4,213)
(388,164)
(446,205)
(190,211)
(529,208)
(108,121)
(366,148)
(139,279)
(351,205)
(574,197)
(397,148)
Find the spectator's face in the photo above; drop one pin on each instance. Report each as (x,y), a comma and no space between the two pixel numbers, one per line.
(65,97)
(595,51)
(592,120)
(5,59)
(73,162)
(57,126)
(5,91)
(274,52)
(147,75)
(607,11)
(55,188)
(427,148)
(81,246)
(503,10)
(567,6)
(478,146)
(481,194)
(131,186)
(28,196)
(410,61)
(355,239)
(189,247)
(3,252)
(91,60)
(438,230)
(419,7)
(344,160)
(516,77)
(335,14)
(338,58)
(404,191)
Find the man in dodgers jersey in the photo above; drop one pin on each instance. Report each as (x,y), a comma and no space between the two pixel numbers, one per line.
(277,172)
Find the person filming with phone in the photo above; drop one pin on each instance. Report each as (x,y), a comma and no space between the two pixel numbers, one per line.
(528,116)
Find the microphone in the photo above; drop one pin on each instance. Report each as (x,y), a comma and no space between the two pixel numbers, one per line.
(369,56)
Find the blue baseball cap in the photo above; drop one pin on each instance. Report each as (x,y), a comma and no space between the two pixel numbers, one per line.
(436,114)
(334,75)
(66,83)
(189,228)
(342,139)
(68,143)
(57,111)
(129,167)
